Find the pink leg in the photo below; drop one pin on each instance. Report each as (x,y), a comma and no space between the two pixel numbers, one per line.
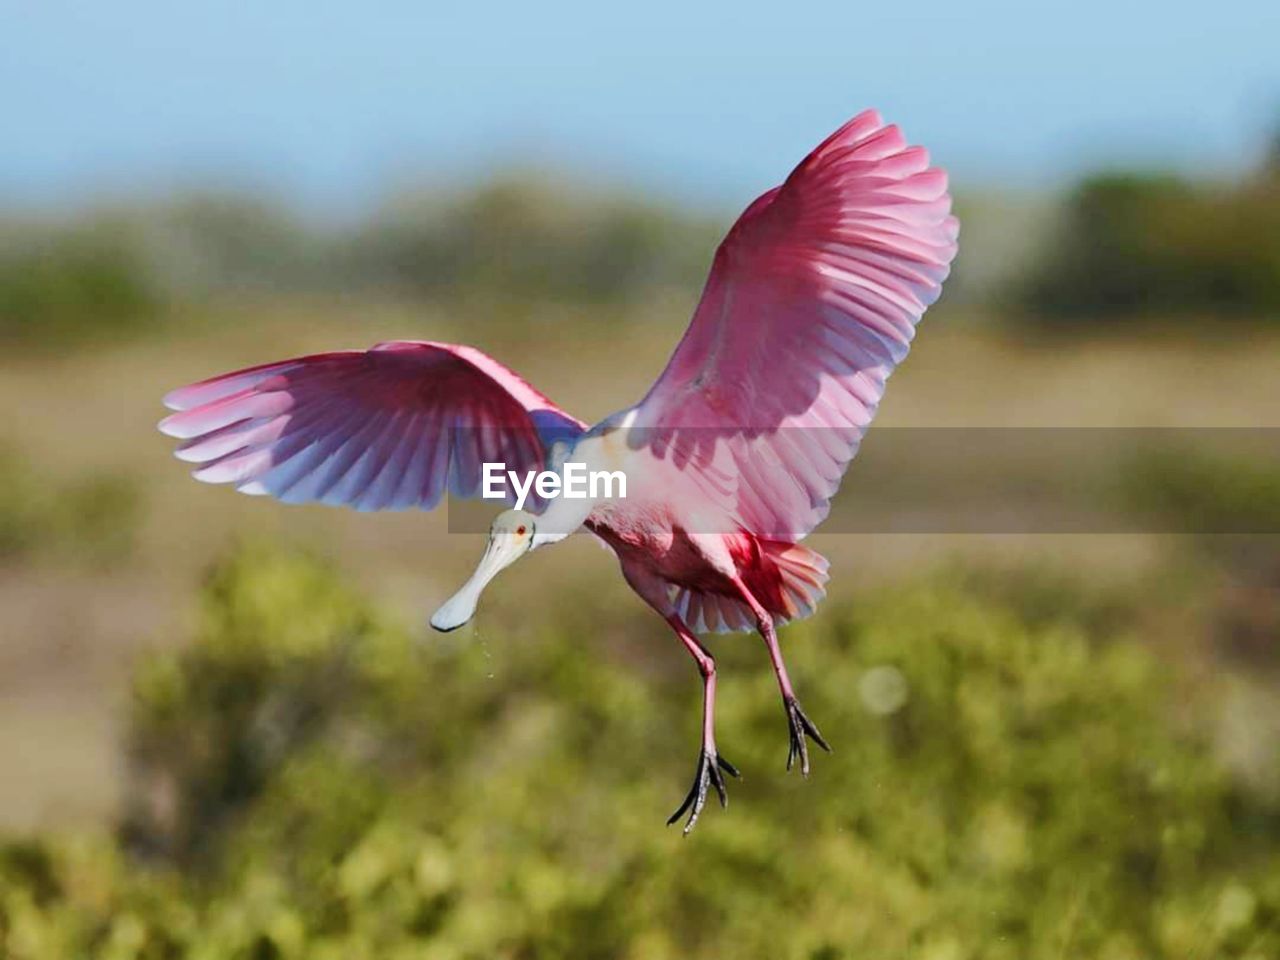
(710,763)
(801,727)
(707,667)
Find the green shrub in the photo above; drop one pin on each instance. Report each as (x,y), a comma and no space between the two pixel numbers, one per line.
(92,519)
(519,238)
(1227,502)
(312,781)
(1205,492)
(1153,246)
(20,511)
(90,282)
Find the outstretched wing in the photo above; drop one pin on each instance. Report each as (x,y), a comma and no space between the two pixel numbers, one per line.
(812,301)
(385,429)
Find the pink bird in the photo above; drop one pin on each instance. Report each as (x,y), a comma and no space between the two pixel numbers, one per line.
(731,459)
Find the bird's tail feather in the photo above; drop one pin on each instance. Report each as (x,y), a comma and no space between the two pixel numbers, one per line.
(804,578)
(793,594)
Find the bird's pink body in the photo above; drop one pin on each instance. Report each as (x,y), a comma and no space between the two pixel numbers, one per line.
(732,457)
(650,546)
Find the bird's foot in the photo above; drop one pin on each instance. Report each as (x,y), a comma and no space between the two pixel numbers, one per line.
(801,727)
(707,775)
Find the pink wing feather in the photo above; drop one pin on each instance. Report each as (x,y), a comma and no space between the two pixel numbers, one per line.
(812,301)
(389,428)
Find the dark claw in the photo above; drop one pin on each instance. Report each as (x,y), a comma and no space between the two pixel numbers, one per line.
(801,727)
(707,775)
(727,767)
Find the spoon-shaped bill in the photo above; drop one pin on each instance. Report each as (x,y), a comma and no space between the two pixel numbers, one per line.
(502,551)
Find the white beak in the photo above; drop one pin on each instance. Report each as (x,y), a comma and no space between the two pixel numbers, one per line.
(502,551)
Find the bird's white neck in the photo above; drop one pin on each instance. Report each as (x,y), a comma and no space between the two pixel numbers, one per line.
(561,518)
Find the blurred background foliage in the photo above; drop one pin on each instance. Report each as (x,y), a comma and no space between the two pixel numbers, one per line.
(515,239)
(90,519)
(1119,247)
(1145,245)
(308,780)
(76,283)
(1051,747)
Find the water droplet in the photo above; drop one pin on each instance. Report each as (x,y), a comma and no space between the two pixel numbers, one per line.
(488,657)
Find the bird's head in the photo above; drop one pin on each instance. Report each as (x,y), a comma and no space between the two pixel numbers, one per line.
(510,538)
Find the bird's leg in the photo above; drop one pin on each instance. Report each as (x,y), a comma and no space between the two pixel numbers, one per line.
(710,763)
(800,726)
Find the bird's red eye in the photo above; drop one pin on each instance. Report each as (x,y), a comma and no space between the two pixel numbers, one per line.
(520,530)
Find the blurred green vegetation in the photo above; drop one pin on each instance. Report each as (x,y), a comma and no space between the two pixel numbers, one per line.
(533,238)
(1016,774)
(91,519)
(514,239)
(82,282)
(1231,502)
(1228,493)
(309,780)
(1155,246)
(1140,245)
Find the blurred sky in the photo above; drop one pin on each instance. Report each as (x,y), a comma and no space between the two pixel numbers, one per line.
(332,103)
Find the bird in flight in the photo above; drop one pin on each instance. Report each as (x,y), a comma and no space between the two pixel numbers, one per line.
(730,460)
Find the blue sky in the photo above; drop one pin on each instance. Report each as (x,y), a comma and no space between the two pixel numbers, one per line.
(331,103)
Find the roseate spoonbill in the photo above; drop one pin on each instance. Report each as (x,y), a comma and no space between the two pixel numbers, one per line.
(733,455)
